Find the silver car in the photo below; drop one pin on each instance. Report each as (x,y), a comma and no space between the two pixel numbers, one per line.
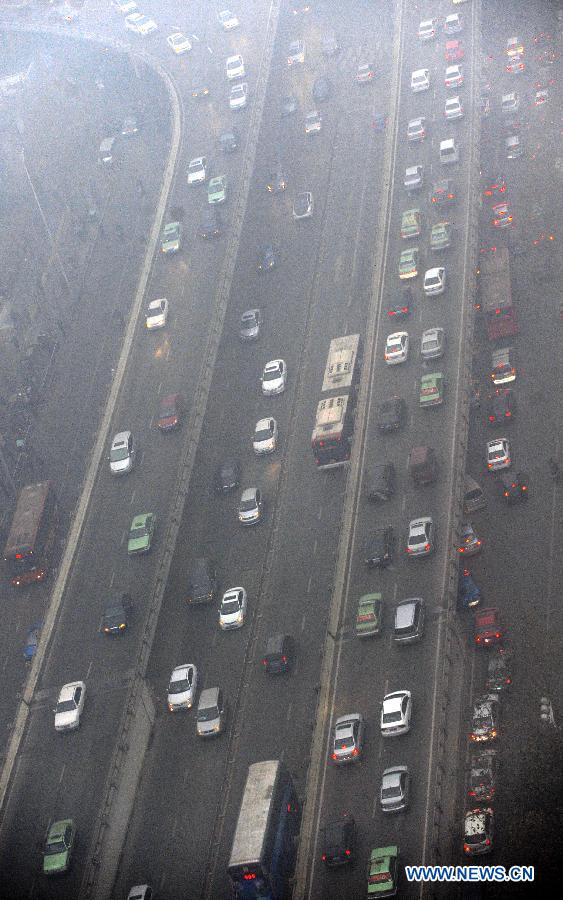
(250,506)
(348,738)
(414,178)
(395,789)
(122,453)
(250,322)
(211,713)
(432,343)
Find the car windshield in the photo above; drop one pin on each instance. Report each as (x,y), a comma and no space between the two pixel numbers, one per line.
(167,411)
(475,838)
(179,687)
(118,454)
(137,533)
(390,793)
(271,375)
(66,706)
(248,505)
(208,714)
(263,434)
(229,607)
(390,718)
(56,847)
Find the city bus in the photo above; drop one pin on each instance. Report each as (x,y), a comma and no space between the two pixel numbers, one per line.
(264,849)
(331,440)
(32,535)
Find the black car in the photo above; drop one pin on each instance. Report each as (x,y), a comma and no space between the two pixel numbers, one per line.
(276,182)
(391,414)
(443,193)
(279,655)
(117,614)
(514,487)
(200,90)
(501,407)
(227,476)
(266,258)
(322,89)
(290,105)
(338,840)
(202,581)
(210,224)
(229,141)
(381,482)
(379,547)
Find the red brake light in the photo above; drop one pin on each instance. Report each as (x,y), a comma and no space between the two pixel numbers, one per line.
(347,852)
(355,751)
(323,857)
(492,418)
(249,876)
(284,659)
(427,547)
(333,755)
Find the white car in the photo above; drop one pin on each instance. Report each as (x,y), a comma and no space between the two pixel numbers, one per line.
(233,609)
(197,170)
(227,20)
(453,108)
(157,314)
(122,453)
(265,438)
(238,96)
(420,80)
(432,343)
(235,67)
(453,24)
(420,541)
(313,122)
(396,713)
(498,454)
(414,178)
(435,281)
(178,42)
(396,348)
(274,377)
(182,687)
(510,102)
(69,706)
(124,6)
(141,892)
(303,205)
(453,76)
(140,24)
(427,29)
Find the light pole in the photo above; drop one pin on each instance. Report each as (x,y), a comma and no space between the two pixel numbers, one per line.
(54,249)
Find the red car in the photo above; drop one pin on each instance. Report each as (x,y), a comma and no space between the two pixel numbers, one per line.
(170,412)
(454,51)
(488,632)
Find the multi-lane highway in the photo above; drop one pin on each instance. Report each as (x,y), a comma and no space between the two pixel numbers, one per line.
(303,567)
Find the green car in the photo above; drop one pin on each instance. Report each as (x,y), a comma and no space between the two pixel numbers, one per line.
(411,223)
(432,389)
(441,236)
(60,843)
(217,189)
(369,615)
(382,872)
(171,237)
(140,534)
(408,263)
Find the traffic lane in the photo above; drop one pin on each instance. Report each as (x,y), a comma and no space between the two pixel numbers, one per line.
(65,442)
(197,504)
(51,773)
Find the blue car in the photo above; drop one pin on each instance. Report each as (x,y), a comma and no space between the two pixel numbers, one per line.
(31,641)
(468,592)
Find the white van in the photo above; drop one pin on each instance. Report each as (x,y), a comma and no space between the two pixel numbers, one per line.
(449,152)
(105,153)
